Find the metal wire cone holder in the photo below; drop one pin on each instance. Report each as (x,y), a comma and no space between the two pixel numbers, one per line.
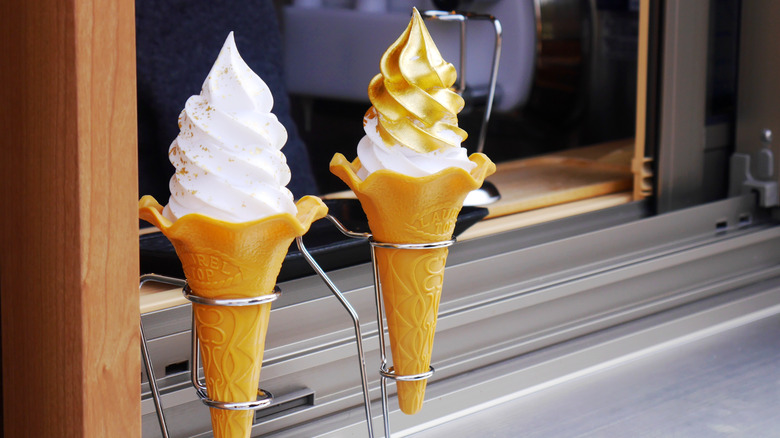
(385,373)
(264,398)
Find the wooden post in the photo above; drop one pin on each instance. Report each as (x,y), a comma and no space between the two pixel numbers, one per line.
(640,165)
(69,254)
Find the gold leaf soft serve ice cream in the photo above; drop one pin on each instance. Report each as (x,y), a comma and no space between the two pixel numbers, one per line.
(231,220)
(228,158)
(411,177)
(412,127)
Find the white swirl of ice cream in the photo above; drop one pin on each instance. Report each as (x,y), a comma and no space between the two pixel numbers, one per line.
(228,158)
(375,154)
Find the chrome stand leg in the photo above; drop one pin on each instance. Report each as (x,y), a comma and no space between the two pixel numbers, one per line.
(153,385)
(358,337)
(381,333)
(147,360)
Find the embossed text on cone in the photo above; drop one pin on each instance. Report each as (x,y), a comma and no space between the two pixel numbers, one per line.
(232,260)
(403,209)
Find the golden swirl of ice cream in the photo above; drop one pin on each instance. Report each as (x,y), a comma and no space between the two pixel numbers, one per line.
(412,97)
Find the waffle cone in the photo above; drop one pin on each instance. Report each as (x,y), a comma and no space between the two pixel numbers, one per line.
(403,209)
(232,260)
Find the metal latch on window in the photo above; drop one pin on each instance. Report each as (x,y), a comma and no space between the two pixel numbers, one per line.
(763,182)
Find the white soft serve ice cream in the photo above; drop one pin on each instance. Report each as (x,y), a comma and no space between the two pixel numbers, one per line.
(228,158)
(412,127)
